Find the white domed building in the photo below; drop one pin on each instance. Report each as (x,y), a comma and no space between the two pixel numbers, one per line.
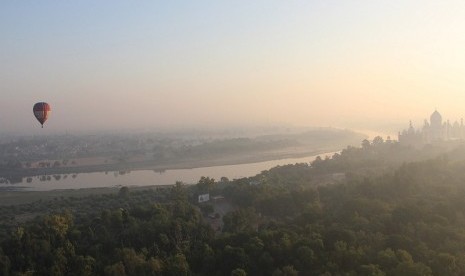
(436,129)
(433,131)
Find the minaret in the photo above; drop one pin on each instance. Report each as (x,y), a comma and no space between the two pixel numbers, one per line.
(425,132)
(448,130)
(411,130)
(461,128)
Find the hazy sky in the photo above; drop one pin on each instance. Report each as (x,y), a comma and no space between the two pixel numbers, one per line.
(132,64)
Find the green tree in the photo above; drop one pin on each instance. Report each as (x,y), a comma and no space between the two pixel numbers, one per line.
(445,264)
(365,144)
(134,263)
(178,192)
(177,265)
(123,192)
(413,269)
(371,270)
(286,271)
(5,263)
(238,272)
(206,184)
(240,220)
(377,141)
(233,258)
(116,269)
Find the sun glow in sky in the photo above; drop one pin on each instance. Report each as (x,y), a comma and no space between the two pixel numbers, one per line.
(148,64)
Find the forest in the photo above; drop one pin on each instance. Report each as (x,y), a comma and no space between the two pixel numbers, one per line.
(378,209)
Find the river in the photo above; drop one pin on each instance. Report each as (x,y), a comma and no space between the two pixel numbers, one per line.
(148,177)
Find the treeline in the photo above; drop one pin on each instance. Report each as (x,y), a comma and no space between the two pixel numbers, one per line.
(61,154)
(406,219)
(409,221)
(219,148)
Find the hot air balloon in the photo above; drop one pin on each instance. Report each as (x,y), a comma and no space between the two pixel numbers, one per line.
(41,111)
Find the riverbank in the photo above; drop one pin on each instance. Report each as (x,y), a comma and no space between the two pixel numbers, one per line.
(76,155)
(103,183)
(15,175)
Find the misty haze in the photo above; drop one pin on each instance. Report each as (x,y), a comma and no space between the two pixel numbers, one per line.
(232,138)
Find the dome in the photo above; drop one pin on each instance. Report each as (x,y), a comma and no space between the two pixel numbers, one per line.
(436,118)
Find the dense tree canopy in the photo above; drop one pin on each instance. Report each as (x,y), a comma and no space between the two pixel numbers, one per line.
(377,210)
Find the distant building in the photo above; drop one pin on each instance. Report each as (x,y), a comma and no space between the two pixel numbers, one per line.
(217,198)
(433,131)
(204,198)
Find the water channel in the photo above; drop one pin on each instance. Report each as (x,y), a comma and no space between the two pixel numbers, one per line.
(148,177)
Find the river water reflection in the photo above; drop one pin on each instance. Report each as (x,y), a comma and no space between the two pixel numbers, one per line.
(148,177)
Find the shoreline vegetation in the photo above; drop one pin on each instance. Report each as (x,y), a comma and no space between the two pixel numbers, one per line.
(207,154)
(181,164)
(18,197)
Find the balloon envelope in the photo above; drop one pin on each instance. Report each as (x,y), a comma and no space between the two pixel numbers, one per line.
(41,112)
